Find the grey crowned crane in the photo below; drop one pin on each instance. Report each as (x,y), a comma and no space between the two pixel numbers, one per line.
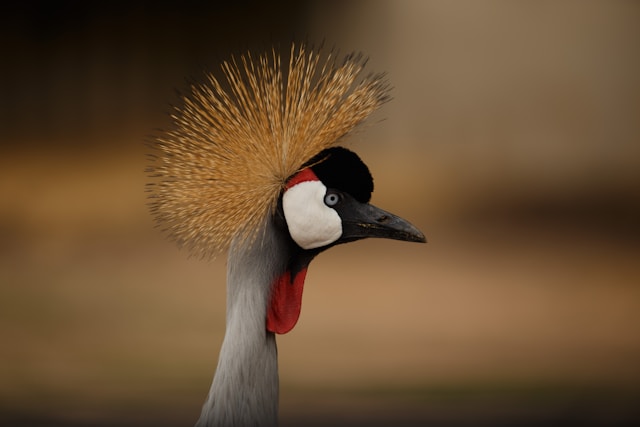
(252,167)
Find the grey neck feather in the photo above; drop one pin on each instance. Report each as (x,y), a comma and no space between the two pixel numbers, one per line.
(245,387)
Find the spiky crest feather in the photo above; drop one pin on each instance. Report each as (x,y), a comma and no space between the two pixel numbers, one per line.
(220,171)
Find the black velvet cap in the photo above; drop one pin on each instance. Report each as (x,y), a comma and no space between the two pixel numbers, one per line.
(343,170)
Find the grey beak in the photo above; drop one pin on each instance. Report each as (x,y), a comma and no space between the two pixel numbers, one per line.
(362,220)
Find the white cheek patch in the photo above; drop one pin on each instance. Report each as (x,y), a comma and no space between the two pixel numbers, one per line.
(311,223)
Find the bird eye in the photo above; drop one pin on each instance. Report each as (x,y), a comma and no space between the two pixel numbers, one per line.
(331,199)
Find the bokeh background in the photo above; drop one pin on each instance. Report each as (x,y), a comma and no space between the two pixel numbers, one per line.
(513,142)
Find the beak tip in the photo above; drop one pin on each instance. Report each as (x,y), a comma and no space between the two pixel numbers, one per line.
(420,237)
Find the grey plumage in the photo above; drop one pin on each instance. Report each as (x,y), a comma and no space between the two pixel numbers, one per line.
(245,387)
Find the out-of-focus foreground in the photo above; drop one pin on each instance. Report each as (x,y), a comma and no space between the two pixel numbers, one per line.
(513,142)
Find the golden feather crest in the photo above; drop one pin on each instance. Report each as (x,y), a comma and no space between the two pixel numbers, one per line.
(219,172)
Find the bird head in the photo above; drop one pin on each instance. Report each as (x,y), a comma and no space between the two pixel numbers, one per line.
(327,203)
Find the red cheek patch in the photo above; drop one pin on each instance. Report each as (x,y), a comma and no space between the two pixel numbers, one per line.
(302,176)
(286,302)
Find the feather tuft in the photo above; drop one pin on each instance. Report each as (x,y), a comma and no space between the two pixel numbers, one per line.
(218,173)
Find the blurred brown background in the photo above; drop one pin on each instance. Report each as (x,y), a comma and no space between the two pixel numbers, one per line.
(513,142)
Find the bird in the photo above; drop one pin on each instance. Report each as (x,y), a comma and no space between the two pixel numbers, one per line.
(254,166)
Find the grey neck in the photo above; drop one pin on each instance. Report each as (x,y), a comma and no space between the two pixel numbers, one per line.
(245,387)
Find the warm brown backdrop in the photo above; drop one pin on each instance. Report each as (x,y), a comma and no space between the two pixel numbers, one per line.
(513,141)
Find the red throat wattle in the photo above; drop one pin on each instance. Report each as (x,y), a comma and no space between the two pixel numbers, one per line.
(286,302)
